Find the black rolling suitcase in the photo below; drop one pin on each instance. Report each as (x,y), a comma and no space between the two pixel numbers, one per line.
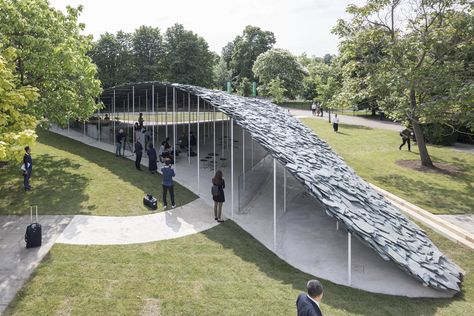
(33,231)
(150,202)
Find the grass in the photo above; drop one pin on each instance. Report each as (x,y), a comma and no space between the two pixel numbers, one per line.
(372,153)
(223,271)
(70,177)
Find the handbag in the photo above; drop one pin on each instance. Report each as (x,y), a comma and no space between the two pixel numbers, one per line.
(23,167)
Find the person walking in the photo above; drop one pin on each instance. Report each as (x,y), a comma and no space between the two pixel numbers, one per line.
(309,304)
(313,108)
(152,159)
(118,142)
(335,123)
(321,111)
(138,155)
(168,174)
(140,120)
(27,168)
(217,191)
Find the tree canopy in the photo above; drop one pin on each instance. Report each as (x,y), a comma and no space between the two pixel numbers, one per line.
(245,50)
(50,56)
(406,57)
(282,64)
(16,127)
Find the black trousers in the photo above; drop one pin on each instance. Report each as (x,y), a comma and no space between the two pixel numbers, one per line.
(335,126)
(26,178)
(406,140)
(171,189)
(138,160)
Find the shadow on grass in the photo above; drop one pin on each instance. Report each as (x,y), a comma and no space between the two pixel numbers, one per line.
(339,297)
(121,167)
(59,191)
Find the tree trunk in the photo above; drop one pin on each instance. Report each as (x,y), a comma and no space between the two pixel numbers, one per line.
(420,139)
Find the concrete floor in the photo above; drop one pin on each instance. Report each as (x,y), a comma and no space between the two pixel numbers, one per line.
(18,263)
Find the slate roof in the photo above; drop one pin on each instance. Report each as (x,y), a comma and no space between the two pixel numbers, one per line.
(347,197)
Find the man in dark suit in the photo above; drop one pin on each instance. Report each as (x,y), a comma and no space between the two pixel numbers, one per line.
(308,304)
(28,166)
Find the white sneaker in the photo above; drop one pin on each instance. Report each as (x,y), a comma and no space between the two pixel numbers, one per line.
(173,206)
(164,207)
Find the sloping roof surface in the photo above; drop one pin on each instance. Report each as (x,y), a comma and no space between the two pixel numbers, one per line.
(346,196)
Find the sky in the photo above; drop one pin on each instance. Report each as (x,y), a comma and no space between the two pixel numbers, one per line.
(300,26)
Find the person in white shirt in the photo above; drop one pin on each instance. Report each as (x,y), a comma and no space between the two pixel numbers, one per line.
(335,123)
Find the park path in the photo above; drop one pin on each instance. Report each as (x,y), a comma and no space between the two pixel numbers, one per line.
(372,123)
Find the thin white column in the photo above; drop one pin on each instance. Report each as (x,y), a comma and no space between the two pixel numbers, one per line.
(243,158)
(113,117)
(133,111)
(232,167)
(274,204)
(84,128)
(205,123)
(284,189)
(174,127)
(189,128)
(214,137)
(251,141)
(166,113)
(223,139)
(98,122)
(198,146)
(349,258)
(153,111)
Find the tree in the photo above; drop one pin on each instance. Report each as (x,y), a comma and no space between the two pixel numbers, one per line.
(422,47)
(113,55)
(222,74)
(51,56)
(247,47)
(188,58)
(148,52)
(16,127)
(280,63)
(227,53)
(276,90)
(244,87)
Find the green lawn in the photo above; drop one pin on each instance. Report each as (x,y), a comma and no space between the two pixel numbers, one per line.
(73,178)
(373,153)
(222,271)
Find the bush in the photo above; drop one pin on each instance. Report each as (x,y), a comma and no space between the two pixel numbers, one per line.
(300,105)
(438,134)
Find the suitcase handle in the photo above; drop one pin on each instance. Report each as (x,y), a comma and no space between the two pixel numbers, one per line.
(31,213)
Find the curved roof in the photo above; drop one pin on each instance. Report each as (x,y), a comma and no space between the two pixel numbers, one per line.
(346,196)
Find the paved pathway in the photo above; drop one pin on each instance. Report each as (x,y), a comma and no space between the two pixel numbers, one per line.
(18,263)
(373,123)
(188,219)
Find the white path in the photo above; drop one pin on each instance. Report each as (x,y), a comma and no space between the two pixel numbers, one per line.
(189,219)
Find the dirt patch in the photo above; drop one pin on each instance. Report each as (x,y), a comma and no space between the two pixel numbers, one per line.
(65,309)
(151,307)
(439,167)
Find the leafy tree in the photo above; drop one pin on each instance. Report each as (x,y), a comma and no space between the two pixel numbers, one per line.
(222,74)
(188,58)
(16,127)
(422,47)
(247,47)
(113,55)
(276,90)
(280,63)
(227,53)
(51,56)
(148,52)
(244,88)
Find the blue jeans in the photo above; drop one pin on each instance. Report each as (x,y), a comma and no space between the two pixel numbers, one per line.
(118,147)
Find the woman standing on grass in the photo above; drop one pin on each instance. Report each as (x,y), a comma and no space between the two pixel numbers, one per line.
(217,191)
